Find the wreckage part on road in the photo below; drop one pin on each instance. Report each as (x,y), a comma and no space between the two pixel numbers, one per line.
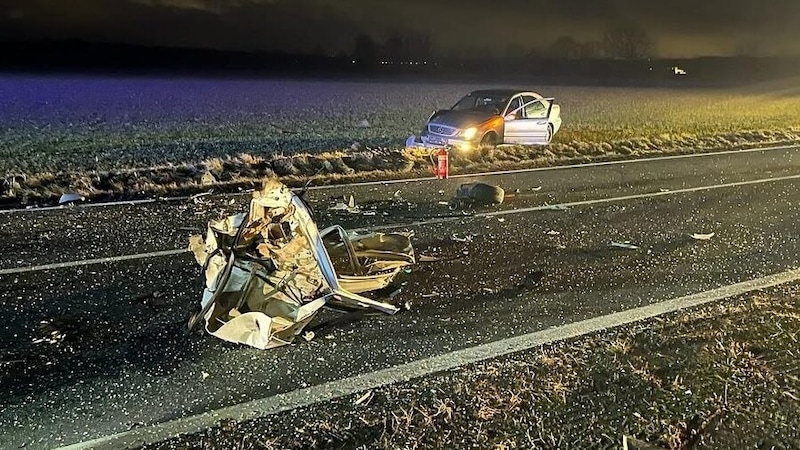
(367,262)
(268,272)
(476,194)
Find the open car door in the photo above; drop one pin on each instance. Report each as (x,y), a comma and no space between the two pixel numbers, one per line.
(528,123)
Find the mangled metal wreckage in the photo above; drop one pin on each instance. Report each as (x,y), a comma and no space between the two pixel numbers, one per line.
(269,271)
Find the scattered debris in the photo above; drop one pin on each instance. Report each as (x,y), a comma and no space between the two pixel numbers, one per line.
(426,258)
(309,336)
(364,399)
(270,270)
(553,233)
(476,194)
(350,206)
(626,245)
(70,198)
(702,237)
(457,238)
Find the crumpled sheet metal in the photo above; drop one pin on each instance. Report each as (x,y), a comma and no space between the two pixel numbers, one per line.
(268,272)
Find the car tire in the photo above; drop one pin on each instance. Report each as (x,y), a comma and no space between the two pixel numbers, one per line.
(549,132)
(489,140)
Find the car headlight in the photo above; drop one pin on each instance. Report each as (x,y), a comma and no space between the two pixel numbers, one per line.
(469,133)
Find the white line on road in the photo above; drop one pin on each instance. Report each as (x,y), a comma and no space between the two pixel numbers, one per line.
(360,383)
(413,180)
(421,222)
(88,262)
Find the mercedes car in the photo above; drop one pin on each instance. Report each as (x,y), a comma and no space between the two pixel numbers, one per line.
(492,117)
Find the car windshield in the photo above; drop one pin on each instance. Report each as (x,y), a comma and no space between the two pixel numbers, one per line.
(482,101)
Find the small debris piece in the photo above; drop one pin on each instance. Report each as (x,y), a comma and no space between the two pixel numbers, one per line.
(426,258)
(501,219)
(457,238)
(205,375)
(702,237)
(309,336)
(350,206)
(444,203)
(553,233)
(558,207)
(70,198)
(431,295)
(477,194)
(626,245)
(537,188)
(396,194)
(364,399)
(364,124)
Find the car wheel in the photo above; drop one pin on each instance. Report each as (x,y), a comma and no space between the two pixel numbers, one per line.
(549,132)
(489,140)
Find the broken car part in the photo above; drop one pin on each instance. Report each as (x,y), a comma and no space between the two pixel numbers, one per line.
(270,270)
(476,194)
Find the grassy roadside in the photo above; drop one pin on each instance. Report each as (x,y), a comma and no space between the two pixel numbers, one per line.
(725,375)
(246,170)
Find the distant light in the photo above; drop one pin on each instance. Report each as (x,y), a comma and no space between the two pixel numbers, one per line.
(354,61)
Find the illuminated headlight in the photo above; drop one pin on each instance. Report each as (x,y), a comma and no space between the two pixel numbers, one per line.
(469,133)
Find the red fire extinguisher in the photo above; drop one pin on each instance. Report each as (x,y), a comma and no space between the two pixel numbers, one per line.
(442,163)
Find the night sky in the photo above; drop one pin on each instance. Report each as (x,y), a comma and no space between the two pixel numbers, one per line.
(680,28)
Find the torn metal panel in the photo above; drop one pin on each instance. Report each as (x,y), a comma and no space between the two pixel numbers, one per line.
(270,270)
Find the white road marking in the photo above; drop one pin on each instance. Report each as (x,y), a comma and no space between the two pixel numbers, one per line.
(427,366)
(88,262)
(413,180)
(422,222)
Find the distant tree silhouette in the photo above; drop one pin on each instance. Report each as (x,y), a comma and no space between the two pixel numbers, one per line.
(365,50)
(567,47)
(400,47)
(627,41)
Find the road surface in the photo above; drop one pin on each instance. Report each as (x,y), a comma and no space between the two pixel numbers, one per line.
(547,256)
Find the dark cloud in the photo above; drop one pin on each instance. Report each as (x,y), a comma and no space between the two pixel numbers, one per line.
(679,27)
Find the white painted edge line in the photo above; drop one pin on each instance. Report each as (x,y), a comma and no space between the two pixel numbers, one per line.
(88,262)
(421,222)
(414,180)
(427,366)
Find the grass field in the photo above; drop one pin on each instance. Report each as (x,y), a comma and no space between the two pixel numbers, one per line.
(61,133)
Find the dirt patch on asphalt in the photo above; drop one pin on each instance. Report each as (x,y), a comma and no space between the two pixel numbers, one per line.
(724,376)
(246,170)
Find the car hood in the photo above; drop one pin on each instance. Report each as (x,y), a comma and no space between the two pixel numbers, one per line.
(461,118)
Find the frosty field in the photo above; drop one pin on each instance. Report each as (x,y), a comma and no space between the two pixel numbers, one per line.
(56,130)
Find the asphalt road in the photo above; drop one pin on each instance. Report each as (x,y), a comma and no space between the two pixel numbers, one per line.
(126,361)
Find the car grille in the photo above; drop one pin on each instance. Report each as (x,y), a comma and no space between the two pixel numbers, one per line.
(442,130)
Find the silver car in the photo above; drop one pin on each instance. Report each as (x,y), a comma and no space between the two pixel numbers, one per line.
(492,117)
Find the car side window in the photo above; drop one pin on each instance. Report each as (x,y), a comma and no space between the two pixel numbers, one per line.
(515,103)
(535,108)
